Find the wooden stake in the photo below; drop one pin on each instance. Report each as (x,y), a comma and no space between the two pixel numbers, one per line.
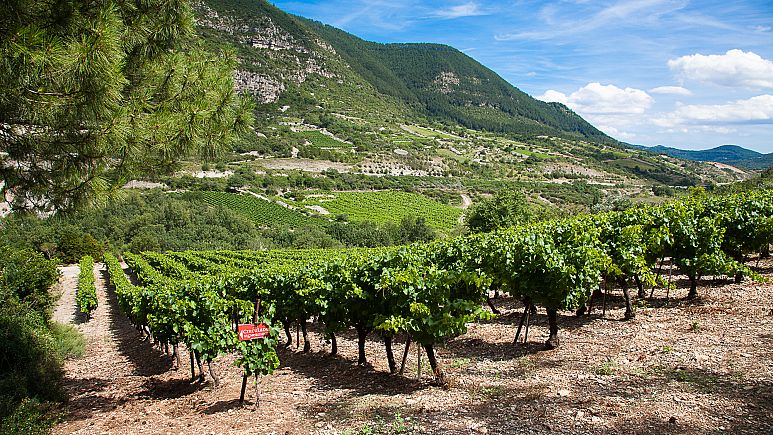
(528,321)
(606,292)
(244,388)
(657,275)
(418,363)
(257,391)
(193,370)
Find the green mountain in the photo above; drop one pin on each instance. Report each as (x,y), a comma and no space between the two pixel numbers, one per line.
(722,154)
(730,154)
(303,64)
(442,82)
(762,161)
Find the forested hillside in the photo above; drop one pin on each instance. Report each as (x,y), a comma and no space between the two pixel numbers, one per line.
(440,81)
(431,80)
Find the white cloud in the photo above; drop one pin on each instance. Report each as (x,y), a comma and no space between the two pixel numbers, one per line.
(598,99)
(670,90)
(616,133)
(736,68)
(755,110)
(470,9)
(553,96)
(761,29)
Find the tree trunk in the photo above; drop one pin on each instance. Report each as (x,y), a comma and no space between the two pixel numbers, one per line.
(693,287)
(199,366)
(765,253)
(288,333)
(362,333)
(405,354)
(176,356)
(440,376)
(523,319)
(333,345)
(494,309)
(738,277)
(306,343)
(642,294)
(552,342)
(629,314)
(213,375)
(390,355)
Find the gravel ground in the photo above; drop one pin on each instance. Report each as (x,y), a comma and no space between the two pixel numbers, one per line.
(702,366)
(66,311)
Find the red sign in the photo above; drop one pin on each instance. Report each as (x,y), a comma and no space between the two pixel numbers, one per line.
(251,332)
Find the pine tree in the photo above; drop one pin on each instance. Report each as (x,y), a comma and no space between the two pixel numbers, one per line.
(93,92)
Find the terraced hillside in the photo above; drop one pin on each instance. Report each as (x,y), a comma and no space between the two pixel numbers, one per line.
(410,109)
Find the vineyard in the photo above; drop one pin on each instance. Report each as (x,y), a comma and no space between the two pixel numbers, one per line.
(388,206)
(263,212)
(432,292)
(86,297)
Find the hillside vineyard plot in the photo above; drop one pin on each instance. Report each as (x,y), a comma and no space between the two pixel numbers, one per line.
(321,140)
(263,213)
(390,206)
(430,292)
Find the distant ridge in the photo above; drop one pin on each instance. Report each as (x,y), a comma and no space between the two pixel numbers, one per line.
(730,154)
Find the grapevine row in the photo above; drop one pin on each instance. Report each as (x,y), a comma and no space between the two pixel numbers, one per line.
(86,296)
(430,292)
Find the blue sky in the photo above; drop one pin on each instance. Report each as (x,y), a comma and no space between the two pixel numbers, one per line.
(688,74)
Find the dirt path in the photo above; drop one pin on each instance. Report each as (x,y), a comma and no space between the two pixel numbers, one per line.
(466,201)
(109,374)
(703,366)
(66,311)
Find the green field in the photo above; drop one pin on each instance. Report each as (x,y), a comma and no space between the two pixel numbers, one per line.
(263,213)
(389,206)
